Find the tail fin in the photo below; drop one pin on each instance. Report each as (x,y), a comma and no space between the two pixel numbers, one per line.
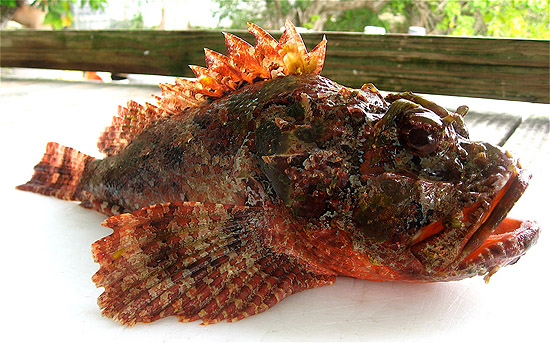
(58,173)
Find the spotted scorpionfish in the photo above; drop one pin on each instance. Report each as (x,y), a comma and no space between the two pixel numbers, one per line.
(260,178)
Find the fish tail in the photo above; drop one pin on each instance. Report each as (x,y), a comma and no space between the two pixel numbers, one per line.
(59,173)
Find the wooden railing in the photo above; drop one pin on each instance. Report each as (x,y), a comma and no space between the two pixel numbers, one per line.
(511,69)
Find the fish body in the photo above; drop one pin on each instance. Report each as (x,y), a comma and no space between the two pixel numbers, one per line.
(237,192)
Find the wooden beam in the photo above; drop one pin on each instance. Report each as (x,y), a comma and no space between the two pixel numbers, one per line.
(511,69)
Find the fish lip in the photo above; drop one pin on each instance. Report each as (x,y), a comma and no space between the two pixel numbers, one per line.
(499,250)
(514,189)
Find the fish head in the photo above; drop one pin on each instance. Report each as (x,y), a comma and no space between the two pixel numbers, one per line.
(398,176)
(431,204)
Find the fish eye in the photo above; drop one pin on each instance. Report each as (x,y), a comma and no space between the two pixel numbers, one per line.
(421,139)
(421,132)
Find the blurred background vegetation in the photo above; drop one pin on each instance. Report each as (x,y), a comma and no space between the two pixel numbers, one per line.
(53,13)
(496,18)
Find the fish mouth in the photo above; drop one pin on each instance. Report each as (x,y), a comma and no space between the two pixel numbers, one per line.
(482,239)
(499,241)
(511,239)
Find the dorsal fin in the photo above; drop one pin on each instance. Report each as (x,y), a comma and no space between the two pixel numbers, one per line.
(243,64)
(130,121)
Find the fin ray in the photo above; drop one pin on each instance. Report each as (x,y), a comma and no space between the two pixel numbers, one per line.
(128,124)
(197,261)
(58,173)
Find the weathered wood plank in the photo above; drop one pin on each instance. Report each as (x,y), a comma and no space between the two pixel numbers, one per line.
(494,128)
(531,141)
(511,69)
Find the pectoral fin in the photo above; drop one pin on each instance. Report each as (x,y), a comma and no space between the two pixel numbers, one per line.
(197,261)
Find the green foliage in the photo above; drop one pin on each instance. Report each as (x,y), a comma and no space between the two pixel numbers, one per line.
(498,18)
(59,12)
(354,20)
(236,11)
(267,13)
(8,3)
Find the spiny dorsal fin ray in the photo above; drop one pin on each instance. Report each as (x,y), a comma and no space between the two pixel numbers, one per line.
(243,64)
(130,121)
(242,53)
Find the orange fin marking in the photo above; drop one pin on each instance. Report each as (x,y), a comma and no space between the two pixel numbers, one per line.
(315,59)
(242,57)
(221,65)
(203,85)
(266,52)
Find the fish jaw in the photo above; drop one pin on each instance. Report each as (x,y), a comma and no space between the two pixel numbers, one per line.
(510,240)
(500,240)
(497,240)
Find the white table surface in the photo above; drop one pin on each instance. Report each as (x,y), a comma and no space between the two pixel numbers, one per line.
(46,260)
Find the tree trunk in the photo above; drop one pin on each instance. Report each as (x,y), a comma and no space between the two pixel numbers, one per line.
(7,12)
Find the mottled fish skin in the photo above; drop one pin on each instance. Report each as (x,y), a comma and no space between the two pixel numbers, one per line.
(214,154)
(262,178)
